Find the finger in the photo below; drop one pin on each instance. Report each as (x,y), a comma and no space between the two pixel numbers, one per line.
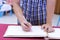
(43,27)
(27,30)
(29,25)
(51,30)
(46,29)
(25,27)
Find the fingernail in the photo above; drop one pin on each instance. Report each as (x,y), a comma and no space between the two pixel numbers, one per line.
(44,27)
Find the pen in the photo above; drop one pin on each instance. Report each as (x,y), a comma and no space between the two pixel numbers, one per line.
(29,28)
(46,38)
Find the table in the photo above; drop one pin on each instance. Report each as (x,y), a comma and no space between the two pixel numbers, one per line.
(3,28)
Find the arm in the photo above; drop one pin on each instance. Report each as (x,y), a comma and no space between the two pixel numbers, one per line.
(18,11)
(50,10)
(26,26)
(50,13)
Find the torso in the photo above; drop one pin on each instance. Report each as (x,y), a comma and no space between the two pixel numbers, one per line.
(33,11)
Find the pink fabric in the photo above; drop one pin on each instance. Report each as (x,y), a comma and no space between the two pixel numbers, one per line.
(3,28)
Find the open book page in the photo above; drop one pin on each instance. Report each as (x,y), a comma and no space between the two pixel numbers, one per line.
(55,34)
(16,31)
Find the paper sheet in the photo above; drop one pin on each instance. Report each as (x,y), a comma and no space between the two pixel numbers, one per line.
(55,34)
(16,31)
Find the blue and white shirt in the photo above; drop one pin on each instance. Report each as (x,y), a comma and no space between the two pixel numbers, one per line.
(34,11)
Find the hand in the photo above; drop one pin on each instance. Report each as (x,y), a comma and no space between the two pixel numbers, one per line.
(26,26)
(48,28)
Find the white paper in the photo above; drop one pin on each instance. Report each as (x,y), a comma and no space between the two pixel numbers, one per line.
(55,34)
(16,31)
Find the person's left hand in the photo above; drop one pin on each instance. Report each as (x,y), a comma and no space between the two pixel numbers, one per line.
(48,28)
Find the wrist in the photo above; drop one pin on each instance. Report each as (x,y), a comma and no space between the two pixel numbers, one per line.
(23,21)
(49,21)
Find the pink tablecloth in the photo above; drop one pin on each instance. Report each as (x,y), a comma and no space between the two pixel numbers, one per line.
(3,28)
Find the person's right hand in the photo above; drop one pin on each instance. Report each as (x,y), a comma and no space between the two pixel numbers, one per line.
(26,26)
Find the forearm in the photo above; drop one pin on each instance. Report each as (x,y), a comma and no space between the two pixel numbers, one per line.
(50,10)
(18,12)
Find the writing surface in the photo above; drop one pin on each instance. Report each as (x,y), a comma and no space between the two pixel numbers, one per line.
(16,31)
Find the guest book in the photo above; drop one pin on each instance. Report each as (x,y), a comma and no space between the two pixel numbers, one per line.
(36,31)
